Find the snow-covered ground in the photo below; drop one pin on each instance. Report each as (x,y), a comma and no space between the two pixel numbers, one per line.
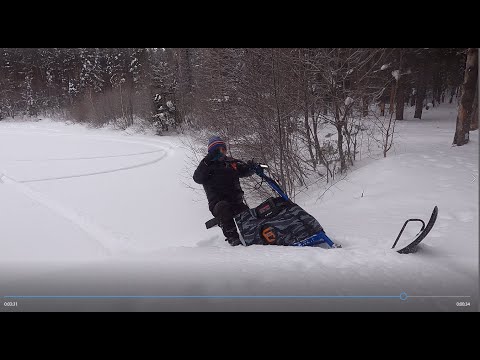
(87,215)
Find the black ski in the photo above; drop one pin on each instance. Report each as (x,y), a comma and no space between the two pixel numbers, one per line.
(412,247)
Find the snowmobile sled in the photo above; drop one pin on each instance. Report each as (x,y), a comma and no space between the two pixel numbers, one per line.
(277,221)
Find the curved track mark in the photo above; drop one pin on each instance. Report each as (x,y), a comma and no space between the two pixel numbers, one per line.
(97,172)
(92,157)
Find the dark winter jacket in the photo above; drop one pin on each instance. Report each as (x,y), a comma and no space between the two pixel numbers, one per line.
(220,179)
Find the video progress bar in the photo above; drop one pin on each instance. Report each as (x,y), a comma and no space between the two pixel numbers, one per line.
(402,296)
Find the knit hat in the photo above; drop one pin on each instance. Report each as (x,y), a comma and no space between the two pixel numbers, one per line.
(214,143)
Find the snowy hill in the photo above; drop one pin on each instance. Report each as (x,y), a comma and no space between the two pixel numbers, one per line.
(103,213)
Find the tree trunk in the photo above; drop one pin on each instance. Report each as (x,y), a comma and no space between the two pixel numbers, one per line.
(419,103)
(309,141)
(466,101)
(339,127)
(340,147)
(413,100)
(400,91)
(306,92)
(279,121)
(421,91)
(318,149)
(392,99)
(436,84)
(452,94)
(365,106)
(400,101)
(474,119)
(307,131)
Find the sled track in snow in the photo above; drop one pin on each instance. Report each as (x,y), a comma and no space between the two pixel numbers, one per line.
(97,172)
(160,146)
(107,240)
(89,158)
(130,139)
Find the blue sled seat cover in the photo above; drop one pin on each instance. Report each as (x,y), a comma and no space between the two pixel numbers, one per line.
(287,226)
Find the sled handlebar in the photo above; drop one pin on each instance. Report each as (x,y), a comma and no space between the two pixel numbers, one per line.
(259,170)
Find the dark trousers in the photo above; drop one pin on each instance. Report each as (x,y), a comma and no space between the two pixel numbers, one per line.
(224,212)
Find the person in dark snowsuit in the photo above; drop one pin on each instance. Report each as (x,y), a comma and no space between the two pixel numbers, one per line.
(219,175)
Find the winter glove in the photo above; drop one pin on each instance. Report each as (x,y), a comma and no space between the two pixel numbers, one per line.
(252,165)
(259,170)
(210,156)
